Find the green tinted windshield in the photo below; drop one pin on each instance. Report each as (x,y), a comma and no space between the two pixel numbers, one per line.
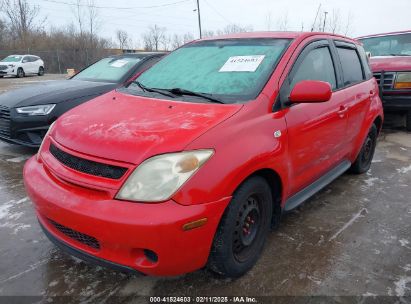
(233,70)
(108,69)
(13,58)
(390,45)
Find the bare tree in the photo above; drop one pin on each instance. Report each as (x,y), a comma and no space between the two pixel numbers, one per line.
(188,37)
(22,18)
(234,28)
(269,21)
(283,23)
(122,38)
(154,37)
(335,21)
(93,18)
(176,41)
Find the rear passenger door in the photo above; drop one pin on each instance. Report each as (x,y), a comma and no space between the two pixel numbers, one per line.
(357,86)
(316,131)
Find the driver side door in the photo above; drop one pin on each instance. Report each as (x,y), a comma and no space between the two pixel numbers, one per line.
(316,131)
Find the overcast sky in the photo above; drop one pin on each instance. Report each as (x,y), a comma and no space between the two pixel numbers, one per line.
(366,16)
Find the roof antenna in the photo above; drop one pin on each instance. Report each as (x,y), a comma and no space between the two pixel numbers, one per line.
(316,16)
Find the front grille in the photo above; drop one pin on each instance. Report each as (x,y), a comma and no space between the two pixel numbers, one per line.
(78,236)
(389,78)
(87,166)
(3,67)
(4,121)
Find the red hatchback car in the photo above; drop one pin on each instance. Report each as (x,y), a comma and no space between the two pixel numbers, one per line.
(194,162)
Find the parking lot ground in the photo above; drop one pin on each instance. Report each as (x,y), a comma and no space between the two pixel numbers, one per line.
(351,239)
(8,83)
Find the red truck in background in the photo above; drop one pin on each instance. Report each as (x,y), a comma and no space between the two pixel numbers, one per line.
(390,60)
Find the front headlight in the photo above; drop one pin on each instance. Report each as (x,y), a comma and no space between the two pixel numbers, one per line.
(403,81)
(39,110)
(159,177)
(11,65)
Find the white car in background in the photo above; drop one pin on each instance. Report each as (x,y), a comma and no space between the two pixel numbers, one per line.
(21,65)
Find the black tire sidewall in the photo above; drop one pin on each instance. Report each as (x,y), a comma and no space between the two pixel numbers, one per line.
(41,71)
(364,167)
(20,73)
(222,255)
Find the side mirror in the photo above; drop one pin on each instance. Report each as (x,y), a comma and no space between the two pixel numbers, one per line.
(311,91)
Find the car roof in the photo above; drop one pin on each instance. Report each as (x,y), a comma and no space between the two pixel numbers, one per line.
(385,34)
(280,35)
(22,55)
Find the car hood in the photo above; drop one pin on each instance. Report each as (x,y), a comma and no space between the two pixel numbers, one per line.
(7,63)
(390,63)
(131,129)
(53,92)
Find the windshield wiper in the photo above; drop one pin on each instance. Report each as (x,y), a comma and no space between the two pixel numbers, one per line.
(179,91)
(147,89)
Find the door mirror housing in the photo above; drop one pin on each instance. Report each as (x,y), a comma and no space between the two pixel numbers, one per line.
(311,91)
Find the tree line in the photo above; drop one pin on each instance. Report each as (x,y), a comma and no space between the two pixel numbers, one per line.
(23,30)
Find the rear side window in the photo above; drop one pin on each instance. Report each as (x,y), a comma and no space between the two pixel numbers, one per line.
(317,65)
(351,66)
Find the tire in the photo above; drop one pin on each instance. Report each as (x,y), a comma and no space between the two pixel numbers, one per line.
(363,162)
(242,231)
(41,71)
(20,73)
(408,121)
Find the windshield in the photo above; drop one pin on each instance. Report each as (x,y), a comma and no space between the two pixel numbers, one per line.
(391,45)
(108,69)
(13,58)
(232,70)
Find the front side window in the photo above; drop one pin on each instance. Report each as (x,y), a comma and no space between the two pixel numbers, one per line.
(13,58)
(390,45)
(317,65)
(351,66)
(234,70)
(108,69)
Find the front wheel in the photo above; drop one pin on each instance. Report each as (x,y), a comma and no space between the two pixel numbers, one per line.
(408,121)
(243,229)
(41,71)
(20,73)
(364,159)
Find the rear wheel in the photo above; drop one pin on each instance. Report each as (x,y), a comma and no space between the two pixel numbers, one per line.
(364,159)
(408,121)
(243,229)
(20,73)
(41,71)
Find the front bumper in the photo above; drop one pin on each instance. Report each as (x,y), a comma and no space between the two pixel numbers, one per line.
(396,102)
(9,72)
(124,230)
(23,130)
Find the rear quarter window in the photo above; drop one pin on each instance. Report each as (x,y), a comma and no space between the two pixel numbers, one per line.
(351,66)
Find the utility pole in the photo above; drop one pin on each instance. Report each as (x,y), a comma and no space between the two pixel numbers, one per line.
(325,18)
(199,18)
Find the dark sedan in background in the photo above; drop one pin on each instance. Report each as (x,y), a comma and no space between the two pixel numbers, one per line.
(27,113)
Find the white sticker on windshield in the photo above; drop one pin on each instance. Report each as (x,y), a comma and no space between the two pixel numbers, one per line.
(119,63)
(242,63)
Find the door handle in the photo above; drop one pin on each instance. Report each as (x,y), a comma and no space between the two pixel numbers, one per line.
(342,110)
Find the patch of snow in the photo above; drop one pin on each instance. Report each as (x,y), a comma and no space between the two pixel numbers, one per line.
(401,286)
(404,170)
